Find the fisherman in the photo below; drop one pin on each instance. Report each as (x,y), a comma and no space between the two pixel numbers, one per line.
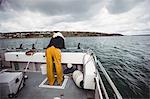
(33,47)
(78,45)
(53,54)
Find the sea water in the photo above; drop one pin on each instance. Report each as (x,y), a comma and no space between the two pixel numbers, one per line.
(126,59)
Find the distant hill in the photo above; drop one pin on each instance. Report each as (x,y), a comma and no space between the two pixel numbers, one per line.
(35,34)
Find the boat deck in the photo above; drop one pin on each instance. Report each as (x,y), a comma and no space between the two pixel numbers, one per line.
(31,90)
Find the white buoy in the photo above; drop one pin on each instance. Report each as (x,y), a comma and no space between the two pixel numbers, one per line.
(57,98)
(78,78)
(69,65)
(43,69)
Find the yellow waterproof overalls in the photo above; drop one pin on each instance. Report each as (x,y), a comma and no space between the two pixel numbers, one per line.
(53,53)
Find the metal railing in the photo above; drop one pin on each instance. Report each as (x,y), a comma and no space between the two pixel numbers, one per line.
(117,93)
(99,83)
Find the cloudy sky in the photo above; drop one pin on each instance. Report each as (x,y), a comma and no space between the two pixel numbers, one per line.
(127,17)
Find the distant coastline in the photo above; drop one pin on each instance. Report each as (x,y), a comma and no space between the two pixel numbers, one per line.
(45,34)
(142,35)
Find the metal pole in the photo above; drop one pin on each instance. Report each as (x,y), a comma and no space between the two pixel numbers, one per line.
(110,81)
(103,87)
(98,87)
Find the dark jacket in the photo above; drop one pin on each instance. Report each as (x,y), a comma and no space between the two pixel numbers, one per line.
(57,42)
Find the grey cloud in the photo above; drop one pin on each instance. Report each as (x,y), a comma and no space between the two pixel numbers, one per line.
(146,29)
(1,5)
(121,6)
(6,16)
(144,18)
(76,8)
(71,14)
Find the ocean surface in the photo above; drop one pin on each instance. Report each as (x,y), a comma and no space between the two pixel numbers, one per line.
(126,59)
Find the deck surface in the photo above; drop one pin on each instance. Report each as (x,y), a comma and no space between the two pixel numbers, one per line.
(32,90)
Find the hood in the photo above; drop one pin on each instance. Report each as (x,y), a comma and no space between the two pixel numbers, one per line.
(58,34)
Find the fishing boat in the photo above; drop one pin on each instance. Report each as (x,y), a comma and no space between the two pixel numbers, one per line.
(84,76)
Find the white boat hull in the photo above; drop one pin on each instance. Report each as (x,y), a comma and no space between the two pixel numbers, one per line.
(85,59)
